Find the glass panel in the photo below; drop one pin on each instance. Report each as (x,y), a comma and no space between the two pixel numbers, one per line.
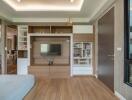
(130,34)
(128,42)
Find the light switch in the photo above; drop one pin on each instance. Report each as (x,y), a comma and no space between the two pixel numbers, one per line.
(119,49)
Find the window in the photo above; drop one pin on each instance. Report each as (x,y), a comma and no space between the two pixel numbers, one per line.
(128,42)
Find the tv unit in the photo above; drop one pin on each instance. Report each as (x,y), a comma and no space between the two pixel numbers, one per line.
(51,49)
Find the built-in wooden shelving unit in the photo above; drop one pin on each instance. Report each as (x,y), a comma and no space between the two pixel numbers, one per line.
(81,38)
(22,54)
(22,58)
(39,29)
(82,54)
(50,29)
(61,29)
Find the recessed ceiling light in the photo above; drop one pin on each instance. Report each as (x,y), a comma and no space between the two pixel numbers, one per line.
(71,1)
(19,0)
(17,6)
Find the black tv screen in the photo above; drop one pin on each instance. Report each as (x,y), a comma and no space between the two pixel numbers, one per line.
(51,49)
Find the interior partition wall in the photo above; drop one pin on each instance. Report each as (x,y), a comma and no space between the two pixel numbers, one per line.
(2,46)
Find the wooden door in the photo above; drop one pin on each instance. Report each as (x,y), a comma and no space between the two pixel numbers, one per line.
(106,49)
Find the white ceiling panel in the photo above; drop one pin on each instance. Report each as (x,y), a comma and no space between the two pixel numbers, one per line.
(43,9)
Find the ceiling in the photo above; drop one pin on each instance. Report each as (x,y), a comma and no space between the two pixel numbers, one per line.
(52,10)
(45,5)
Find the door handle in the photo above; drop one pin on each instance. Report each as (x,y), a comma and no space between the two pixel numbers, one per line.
(111,55)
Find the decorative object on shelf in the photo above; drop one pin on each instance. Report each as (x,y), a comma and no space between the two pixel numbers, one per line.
(82,58)
(22,37)
(22,59)
(82,53)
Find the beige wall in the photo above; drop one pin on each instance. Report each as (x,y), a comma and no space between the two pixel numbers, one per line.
(122,88)
(119,85)
(65,54)
(3,44)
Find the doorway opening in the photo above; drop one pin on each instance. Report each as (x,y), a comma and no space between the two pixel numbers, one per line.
(11,49)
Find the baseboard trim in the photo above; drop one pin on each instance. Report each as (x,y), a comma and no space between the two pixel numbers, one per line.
(119,96)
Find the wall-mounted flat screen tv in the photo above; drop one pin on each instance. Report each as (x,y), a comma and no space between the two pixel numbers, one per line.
(51,49)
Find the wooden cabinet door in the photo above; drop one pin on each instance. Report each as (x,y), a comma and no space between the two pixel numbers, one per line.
(59,71)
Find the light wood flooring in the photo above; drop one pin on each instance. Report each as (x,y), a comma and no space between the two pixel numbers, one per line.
(76,88)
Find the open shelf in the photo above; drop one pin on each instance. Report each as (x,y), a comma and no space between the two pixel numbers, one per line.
(82,53)
(50,29)
(22,37)
(22,53)
(61,29)
(39,29)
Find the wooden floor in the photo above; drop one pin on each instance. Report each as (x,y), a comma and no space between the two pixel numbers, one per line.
(76,88)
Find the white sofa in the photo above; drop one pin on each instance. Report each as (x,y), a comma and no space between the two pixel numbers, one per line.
(15,87)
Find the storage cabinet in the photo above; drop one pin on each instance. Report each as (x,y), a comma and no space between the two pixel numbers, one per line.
(54,71)
(82,58)
(39,71)
(83,29)
(22,66)
(82,49)
(22,59)
(82,53)
(22,37)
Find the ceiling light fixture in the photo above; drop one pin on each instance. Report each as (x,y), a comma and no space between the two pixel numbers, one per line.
(69,6)
(19,0)
(71,1)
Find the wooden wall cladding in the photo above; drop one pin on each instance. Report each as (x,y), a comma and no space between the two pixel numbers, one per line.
(83,38)
(38,58)
(55,71)
(39,29)
(50,29)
